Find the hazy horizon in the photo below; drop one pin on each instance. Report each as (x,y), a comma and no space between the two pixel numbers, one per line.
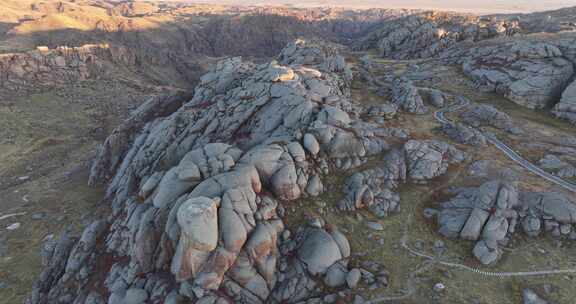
(485,7)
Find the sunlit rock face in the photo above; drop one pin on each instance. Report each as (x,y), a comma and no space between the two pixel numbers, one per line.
(198,221)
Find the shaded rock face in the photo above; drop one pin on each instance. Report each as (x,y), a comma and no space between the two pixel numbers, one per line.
(426,34)
(531,74)
(173,51)
(491,213)
(566,108)
(407,96)
(197,189)
(61,65)
(419,162)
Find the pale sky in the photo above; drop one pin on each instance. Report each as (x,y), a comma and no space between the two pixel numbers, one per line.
(474,6)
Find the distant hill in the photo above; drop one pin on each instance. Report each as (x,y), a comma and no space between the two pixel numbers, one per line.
(482,7)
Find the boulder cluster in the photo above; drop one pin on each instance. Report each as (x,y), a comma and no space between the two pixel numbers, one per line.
(491,213)
(61,65)
(427,34)
(535,74)
(464,134)
(559,167)
(483,115)
(197,189)
(530,74)
(407,96)
(418,162)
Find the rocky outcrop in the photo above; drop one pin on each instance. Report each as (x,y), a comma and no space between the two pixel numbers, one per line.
(566,108)
(426,34)
(375,189)
(382,112)
(530,74)
(559,167)
(427,159)
(418,161)
(464,134)
(111,152)
(197,193)
(62,65)
(484,215)
(319,250)
(487,115)
(491,213)
(407,96)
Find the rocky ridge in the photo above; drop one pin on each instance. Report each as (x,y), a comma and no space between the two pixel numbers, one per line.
(530,74)
(48,67)
(427,34)
(197,196)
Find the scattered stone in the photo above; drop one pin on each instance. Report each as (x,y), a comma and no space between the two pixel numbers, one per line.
(375,226)
(13,226)
(336,275)
(439,287)
(38,215)
(530,297)
(353,278)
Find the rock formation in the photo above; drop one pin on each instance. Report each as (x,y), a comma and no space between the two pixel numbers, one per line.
(566,108)
(464,134)
(531,75)
(427,34)
(197,190)
(407,96)
(418,162)
(487,115)
(491,213)
(49,67)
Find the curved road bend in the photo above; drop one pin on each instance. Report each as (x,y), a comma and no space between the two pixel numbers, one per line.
(462,102)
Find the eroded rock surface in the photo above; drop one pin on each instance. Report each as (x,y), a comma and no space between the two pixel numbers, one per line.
(57,66)
(487,115)
(427,34)
(533,74)
(418,162)
(491,213)
(464,134)
(407,96)
(197,191)
(566,108)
